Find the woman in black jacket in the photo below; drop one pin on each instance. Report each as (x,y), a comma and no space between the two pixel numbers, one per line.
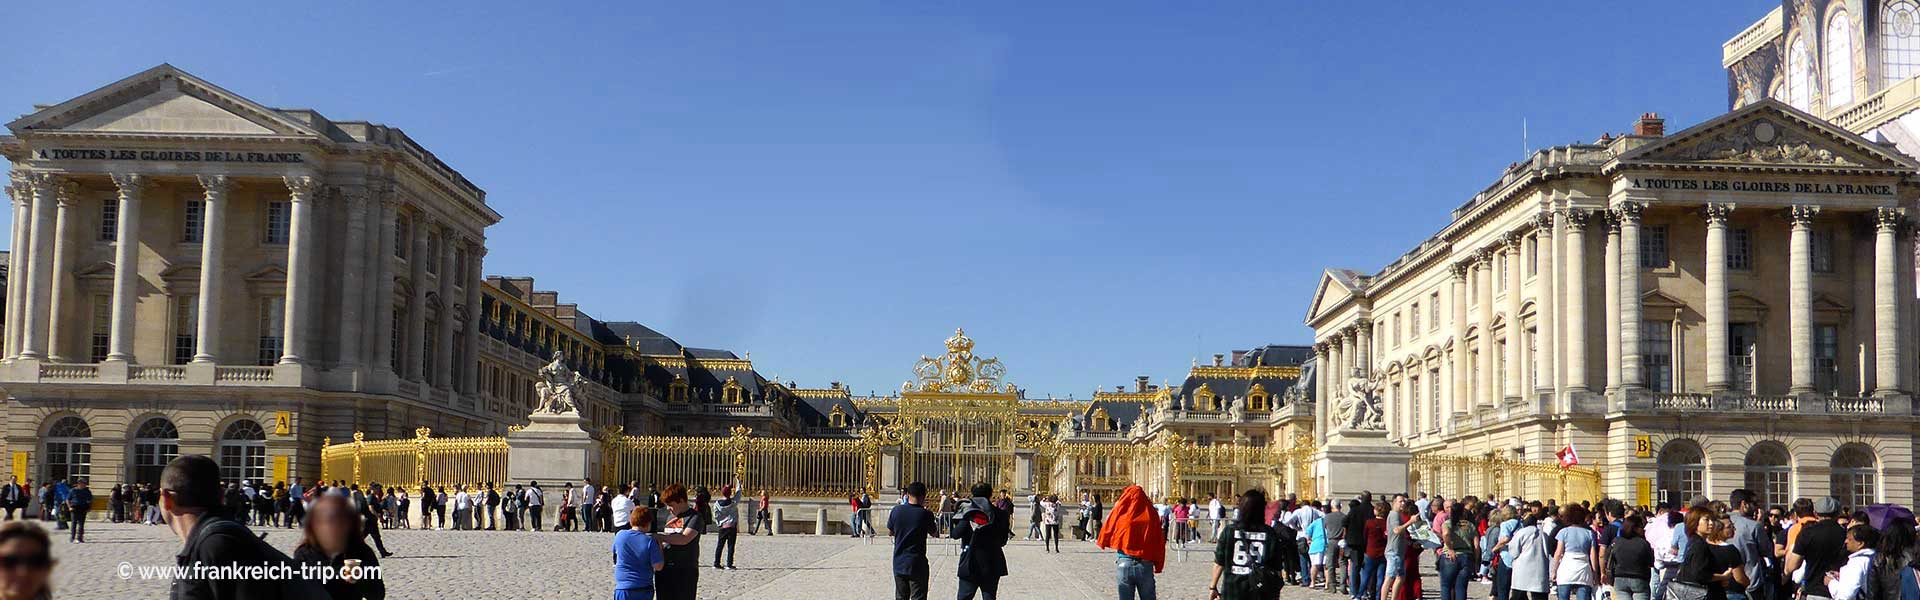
(333,539)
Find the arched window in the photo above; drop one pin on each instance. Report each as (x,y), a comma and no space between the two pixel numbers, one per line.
(1800,74)
(1839,60)
(1899,41)
(1258,399)
(1770,473)
(68,449)
(1682,469)
(155,443)
(243,452)
(1854,469)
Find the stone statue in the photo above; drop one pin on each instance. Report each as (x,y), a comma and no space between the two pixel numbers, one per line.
(557,386)
(1360,410)
(1236,409)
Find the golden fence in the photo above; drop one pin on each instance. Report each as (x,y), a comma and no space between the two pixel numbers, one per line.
(790,467)
(1496,476)
(475,460)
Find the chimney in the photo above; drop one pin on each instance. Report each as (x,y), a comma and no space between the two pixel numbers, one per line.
(835,385)
(1238,355)
(1219,360)
(1140,383)
(1119,389)
(1650,125)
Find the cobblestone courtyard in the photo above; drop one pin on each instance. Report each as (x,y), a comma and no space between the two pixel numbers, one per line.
(521,565)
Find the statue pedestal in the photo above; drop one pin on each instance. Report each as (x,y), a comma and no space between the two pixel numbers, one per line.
(554,450)
(1361,461)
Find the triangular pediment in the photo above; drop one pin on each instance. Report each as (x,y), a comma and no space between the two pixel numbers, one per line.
(1768,134)
(1336,287)
(163,100)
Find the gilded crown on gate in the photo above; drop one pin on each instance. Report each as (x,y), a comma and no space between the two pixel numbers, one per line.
(959,343)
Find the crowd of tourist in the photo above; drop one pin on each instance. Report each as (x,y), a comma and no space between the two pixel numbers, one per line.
(1364,548)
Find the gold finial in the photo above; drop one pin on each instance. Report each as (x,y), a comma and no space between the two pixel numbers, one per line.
(358,436)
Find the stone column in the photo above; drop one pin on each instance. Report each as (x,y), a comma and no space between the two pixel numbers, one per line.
(65,220)
(470,369)
(20,195)
(1457,393)
(1629,321)
(1800,298)
(300,190)
(383,324)
(1322,399)
(126,264)
(354,277)
(1512,371)
(1363,356)
(1545,293)
(212,262)
(1576,294)
(1886,302)
(39,283)
(1719,373)
(1348,364)
(1486,395)
(413,365)
(443,347)
(1611,294)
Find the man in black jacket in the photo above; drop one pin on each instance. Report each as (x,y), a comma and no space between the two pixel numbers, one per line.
(79,501)
(190,496)
(983,530)
(1358,511)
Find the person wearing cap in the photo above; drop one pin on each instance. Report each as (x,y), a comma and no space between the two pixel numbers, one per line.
(1820,548)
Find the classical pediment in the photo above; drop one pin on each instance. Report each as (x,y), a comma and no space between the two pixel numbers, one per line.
(1768,134)
(162,101)
(1336,287)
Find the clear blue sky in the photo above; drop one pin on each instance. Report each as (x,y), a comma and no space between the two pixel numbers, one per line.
(1095,190)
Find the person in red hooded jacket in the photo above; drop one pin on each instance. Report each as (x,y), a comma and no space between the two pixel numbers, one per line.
(1132,531)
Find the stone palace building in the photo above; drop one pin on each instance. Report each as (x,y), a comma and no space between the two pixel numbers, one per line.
(1726,306)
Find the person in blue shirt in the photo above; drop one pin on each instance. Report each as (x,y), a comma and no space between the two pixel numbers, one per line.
(910,523)
(636,556)
(60,493)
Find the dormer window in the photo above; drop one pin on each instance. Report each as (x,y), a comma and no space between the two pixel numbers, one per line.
(838,418)
(677,391)
(731,392)
(1205,399)
(1258,399)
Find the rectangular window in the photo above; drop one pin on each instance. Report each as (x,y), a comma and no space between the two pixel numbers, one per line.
(397,335)
(433,253)
(402,236)
(1740,250)
(1433,311)
(186,324)
(1741,338)
(279,223)
(1822,250)
(1433,397)
(1826,359)
(273,318)
(1656,355)
(1396,329)
(109,221)
(1413,321)
(102,327)
(1533,256)
(1413,399)
(193,222)
(1653,247)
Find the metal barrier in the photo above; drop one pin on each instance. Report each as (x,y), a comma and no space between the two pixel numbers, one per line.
(474,461)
